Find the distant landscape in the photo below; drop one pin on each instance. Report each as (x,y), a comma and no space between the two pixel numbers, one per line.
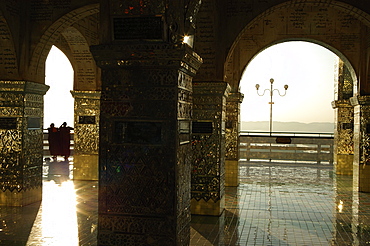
(277,126)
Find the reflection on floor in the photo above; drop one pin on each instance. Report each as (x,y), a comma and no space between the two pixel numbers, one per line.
(277,204)
(67,215)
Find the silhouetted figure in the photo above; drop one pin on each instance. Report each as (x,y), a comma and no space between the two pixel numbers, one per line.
(65,137)
(54,143)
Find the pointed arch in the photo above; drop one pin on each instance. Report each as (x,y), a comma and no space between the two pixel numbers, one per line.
(39,54)
(272,27)
(82,60)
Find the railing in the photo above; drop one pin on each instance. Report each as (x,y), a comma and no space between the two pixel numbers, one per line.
(280,147)
(287,147)
(288,134)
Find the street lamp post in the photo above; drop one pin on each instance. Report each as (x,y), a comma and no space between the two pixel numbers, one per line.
(271,90)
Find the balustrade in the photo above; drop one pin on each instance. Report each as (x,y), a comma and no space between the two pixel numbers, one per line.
(287,147)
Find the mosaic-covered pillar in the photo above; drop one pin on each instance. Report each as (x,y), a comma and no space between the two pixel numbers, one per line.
(86,134)
(145,148)
(343,137)
(208,144)
(232,139)
(361,162)
(344,118)
(21,142)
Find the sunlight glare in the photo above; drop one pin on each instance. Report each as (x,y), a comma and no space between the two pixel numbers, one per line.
(56,221)
(59,220)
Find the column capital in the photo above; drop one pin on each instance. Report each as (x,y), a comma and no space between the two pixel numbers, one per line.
(23,87)
(235,97)
(147,54)
(341,104)
(86,94)
(360,100)
(213,87)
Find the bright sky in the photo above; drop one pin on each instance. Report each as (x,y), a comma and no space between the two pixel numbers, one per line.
(308,70)
(58,100)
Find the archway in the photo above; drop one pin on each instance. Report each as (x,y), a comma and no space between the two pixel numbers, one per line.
(58,101)
(302,112)
(72,34)
(73,38)
(80,87)
(323,24)
(333,25)
(277,25)
(320,23)
(309,71)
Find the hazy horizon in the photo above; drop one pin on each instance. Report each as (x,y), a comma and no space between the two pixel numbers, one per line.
(281,126)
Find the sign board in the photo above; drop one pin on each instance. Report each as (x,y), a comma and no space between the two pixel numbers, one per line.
(141,132)
(205,127)
(34,123)
(87,119)
(8,123)
(283,140)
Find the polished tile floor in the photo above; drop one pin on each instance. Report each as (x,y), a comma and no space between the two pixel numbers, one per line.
(277,204)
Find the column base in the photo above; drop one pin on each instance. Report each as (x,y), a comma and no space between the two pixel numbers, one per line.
(344,165)
(231,173)
(20,199)
(85,167)
(207,208)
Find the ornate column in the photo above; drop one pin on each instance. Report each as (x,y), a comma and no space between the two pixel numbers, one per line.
(343,137)
(361,162)
(86,134)
(232,138)
(145,149)
(147,66)
(208,144)
(21,142)
(344,118)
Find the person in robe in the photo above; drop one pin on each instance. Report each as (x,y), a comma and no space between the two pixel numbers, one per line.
(53,139)
(65,137)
